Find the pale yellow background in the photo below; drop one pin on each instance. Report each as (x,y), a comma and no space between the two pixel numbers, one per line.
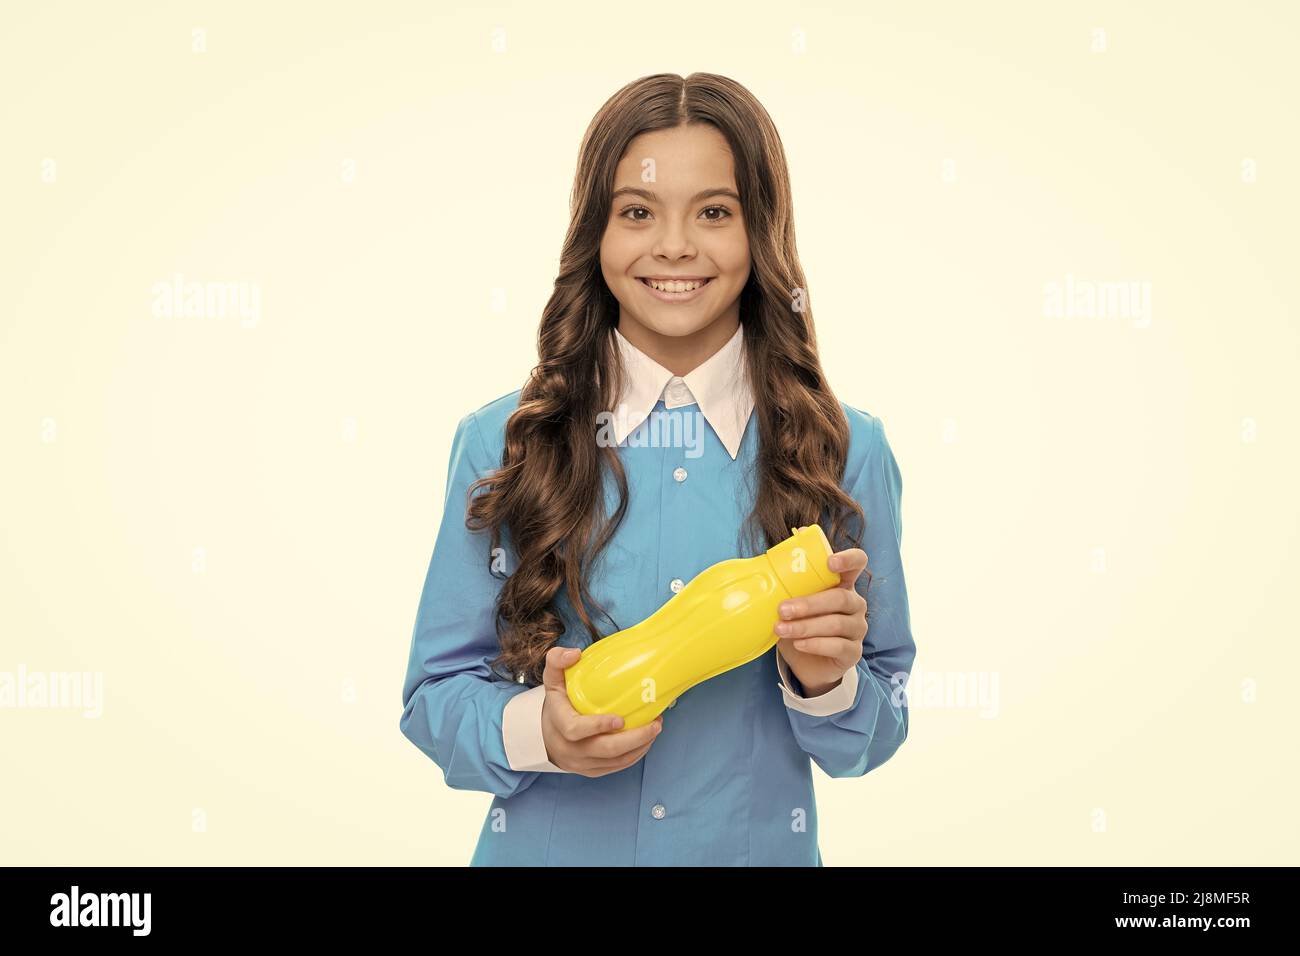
(398,188)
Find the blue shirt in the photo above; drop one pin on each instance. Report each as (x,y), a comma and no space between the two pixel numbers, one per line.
(728,782)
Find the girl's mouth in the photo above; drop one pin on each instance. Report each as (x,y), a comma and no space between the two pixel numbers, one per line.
(675,296)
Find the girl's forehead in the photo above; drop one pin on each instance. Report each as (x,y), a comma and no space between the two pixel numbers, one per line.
(683,168)
(680,141)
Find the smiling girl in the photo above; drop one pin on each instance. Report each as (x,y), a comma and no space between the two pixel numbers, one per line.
(680,293)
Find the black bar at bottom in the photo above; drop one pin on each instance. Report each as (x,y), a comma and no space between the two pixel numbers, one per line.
(433,906)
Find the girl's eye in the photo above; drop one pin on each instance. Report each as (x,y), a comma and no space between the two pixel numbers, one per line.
(725,213)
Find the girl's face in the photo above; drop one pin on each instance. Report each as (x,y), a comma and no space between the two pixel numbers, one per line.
(676,215)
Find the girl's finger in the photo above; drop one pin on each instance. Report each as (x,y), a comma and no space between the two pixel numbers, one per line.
(836,648)
(623,760)
(576,726)
(612,746)
(850,563)
(838,626)
(830,601)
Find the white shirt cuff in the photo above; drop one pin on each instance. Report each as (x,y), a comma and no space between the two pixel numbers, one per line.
(838,698)
(521,731)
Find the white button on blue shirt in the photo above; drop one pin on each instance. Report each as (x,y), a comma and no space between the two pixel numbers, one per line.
(734,761)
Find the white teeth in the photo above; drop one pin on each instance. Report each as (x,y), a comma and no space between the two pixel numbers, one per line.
(675,286)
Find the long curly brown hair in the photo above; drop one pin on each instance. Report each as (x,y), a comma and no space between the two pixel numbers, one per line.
(547,496)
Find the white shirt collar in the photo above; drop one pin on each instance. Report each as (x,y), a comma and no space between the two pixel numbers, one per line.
(719,385)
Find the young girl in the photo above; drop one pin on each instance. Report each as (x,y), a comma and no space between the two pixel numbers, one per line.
(677,417)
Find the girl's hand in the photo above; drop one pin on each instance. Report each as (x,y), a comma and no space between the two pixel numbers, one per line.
(822,634)
(592,745)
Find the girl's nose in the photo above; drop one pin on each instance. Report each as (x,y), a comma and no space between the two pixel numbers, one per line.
(673,241)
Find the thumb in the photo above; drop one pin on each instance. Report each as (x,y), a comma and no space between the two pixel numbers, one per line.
(557,659)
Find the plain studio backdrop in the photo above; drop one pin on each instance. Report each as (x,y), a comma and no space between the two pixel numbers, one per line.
(1052,249)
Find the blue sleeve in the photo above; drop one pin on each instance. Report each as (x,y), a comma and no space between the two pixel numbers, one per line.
(452,701)
(853,741)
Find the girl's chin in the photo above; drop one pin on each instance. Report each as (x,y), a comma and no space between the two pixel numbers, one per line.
(675,327)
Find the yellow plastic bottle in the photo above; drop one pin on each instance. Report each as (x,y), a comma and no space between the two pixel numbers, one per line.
(722,619)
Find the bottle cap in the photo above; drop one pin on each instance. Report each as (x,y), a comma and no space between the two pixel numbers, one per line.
(800,561)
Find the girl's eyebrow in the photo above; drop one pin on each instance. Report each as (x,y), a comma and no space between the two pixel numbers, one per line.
(651,197)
